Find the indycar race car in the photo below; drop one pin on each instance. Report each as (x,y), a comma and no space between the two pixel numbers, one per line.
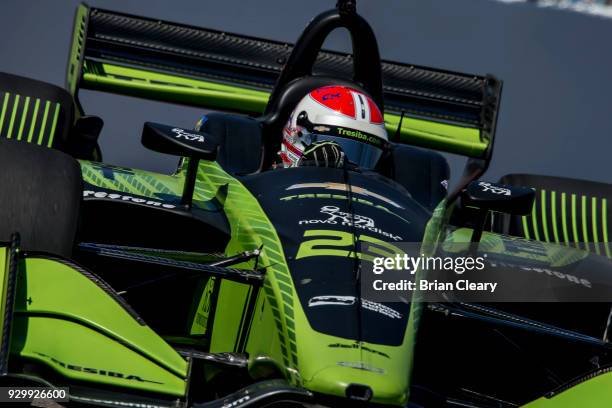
(231,283)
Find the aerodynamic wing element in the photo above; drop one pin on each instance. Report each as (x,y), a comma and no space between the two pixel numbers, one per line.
(171,62)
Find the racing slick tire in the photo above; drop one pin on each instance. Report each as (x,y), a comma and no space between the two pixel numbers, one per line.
(40,197)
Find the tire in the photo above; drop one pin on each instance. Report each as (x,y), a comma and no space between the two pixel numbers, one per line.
(40,197)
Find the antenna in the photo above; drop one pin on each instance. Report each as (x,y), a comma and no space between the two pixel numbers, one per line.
(398,131)
(347,6)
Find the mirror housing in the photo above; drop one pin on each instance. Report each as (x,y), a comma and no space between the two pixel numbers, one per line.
(498,197)
(485,197)
(181,142)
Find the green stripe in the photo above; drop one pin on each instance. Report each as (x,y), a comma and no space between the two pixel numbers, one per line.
(6,98)
(585,235)
(24,114)
(574,223)
(553,200)
(604,218)
(43,124)
(55,116)
(564,218)
(543,213)
(594,224)
(34,117)
(13,114)
(534,223)
(525,227)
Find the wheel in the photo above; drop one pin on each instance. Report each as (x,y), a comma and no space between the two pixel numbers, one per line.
(40,197)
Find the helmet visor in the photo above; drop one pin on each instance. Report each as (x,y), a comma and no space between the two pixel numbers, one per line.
(362,154)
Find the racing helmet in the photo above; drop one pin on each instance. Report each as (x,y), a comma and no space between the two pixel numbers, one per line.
(338,114)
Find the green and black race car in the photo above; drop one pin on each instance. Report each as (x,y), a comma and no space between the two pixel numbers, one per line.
(229,284)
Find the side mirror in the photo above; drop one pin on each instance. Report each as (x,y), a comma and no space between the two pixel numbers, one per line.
(497,197)
(181,142)
(485,197)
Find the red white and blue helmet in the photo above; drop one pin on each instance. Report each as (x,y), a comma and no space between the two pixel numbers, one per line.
(340,114)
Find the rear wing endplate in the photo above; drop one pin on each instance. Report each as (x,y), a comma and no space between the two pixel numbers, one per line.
(171,62)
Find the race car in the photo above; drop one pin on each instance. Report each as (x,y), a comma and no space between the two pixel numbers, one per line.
(231,283)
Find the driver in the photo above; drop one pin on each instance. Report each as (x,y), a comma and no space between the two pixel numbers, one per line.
(333,124)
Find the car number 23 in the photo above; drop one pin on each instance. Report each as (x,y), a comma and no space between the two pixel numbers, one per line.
(340,243)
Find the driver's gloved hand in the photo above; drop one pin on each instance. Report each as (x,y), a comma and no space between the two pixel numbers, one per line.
(322,154)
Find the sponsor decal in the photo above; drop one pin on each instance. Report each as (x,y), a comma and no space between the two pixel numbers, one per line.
(290,135)
(182,133)
(381,309)
(360,366)
(331,300)
(330,96)
(98,371)
(343,198)
(356,345)
(357,134)
(553,273)
(344,217)
(444,184)
(121,197)
(321,128)
(200,321)
(337,217)
(488,187)
(343,187)
(239,402)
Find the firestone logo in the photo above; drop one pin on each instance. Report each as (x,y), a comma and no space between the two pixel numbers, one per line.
(121,197)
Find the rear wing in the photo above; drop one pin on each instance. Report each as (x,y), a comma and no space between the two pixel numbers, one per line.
(171,62)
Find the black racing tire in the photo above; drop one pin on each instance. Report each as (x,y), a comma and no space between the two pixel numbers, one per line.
(40,197)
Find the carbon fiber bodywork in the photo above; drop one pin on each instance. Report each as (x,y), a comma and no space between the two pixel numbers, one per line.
(227,57)
(228,284)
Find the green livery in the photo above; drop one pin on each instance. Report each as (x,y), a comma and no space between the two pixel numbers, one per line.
(234,283)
